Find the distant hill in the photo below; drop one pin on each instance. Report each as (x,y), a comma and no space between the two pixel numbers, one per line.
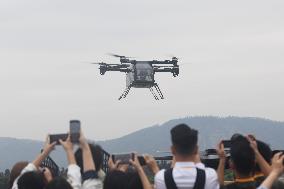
(13,150)
(149,140)
(211,130)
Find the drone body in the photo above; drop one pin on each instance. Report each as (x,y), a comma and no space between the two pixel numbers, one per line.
(140,74)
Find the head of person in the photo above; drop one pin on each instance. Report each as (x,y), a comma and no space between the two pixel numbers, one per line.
(266,152)
(31,180)
(16,171)
(134,181)
(115,179)
(184,140)
(58,183)
(97,154)
(122,180)
(242,156)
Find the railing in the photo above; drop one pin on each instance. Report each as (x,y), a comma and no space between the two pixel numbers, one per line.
(208,157)
(51,165)
(106,156)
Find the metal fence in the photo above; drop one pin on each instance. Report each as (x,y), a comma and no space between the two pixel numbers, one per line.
(51,165)
(106,156)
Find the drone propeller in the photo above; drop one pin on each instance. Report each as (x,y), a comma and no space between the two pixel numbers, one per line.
(100,63)
(119,56)
(116,55)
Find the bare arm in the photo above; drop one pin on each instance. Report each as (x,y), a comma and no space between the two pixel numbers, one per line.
(45,152)
(277,169)
(264,166)
(151,162)
(73,173)
(68,147)
(88,162)
(222,161)
(144,179)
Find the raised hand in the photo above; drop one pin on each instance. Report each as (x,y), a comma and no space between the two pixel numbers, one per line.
(45,152)
(113,165)
(144,179)
(151,162)
(135,163)
(263,164)
(67,144)
(47,146)
(277,163)
(83,141)
(277,170)
(253,143)
(47,174)
(220,150)
(68,147)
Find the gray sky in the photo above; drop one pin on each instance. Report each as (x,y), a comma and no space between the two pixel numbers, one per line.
(235,51)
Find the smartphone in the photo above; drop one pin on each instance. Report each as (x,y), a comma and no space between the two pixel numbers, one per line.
(141,160)
(211,151)
(124,158)
(227,143)
(56,137)
(75,127)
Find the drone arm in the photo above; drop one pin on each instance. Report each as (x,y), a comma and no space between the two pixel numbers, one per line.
(172,69)
(118,68)
(162,62)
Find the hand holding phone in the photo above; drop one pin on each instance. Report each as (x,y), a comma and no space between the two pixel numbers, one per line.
(75,128)
(141,160)
(227,143)
(123,158)
(57,137)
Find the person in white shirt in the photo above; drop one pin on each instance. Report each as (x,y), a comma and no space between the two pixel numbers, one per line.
(30,175)
(97,153)
(187,164)
(74,177)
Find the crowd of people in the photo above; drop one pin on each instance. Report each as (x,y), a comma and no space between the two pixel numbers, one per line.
(251,161)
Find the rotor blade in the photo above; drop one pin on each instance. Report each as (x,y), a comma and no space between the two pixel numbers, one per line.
(116,55)
(119,56)
(97,63)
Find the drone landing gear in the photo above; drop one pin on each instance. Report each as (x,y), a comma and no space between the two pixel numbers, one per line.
(159,90)
(153,93)
(125,93)
(160,94)
(155,90)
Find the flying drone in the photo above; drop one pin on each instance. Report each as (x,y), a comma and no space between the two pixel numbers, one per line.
(140,74)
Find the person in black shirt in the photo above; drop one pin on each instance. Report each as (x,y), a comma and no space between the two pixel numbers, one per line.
(242,162)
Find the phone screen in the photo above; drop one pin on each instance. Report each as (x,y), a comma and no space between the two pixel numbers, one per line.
(227,143)
(56,137)
(123,158)
(75,127)
(141,160)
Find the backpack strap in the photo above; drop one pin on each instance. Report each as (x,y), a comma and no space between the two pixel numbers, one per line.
(199,182)
(169,180)
(200,179)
